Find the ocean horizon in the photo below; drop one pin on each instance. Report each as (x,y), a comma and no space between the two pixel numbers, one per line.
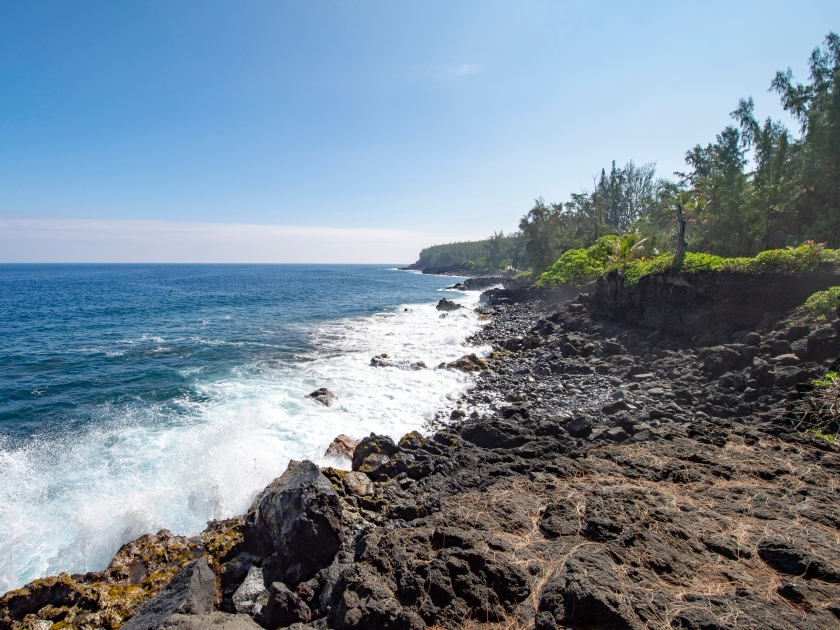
(137,397)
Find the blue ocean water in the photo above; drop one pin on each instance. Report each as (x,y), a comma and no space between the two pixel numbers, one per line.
(138,397)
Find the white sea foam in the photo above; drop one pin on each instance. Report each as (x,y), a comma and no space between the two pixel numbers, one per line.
(67,503)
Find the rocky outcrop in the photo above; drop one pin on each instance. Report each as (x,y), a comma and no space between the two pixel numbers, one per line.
(191,592)
(323,396)
(342,447)
(715,302)
(447,306)
(382,360)
(297,518)
(467,363)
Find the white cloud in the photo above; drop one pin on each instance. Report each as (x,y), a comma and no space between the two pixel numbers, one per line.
(91,240)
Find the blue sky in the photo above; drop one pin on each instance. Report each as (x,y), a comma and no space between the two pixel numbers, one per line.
(422,120)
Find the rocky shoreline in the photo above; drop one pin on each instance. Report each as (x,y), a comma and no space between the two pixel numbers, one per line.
(604,472)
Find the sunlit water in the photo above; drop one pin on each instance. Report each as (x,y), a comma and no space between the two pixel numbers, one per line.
(141,397)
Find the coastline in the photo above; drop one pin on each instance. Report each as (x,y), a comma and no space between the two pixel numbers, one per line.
(70,498)
(598,474)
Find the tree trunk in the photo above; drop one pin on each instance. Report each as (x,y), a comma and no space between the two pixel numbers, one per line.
(680,253)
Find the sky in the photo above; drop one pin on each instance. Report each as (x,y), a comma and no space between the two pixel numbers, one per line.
(353,131)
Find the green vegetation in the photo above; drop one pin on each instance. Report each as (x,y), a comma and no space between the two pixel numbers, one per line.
(582,266)
(497,253)
(823,303)
(828,437)
(751,197)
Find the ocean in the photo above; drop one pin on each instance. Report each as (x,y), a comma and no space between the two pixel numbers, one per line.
(140,397)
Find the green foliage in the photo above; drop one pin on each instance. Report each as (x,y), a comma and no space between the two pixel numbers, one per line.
(580,266)
(829,380)
(493,254)
(823,303)
(806,257)
(828,437)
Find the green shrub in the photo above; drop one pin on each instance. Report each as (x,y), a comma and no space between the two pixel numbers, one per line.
(580,266)
(823,303)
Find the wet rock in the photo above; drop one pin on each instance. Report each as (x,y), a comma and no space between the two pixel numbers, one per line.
(192,592)
(323,396)
(419,365)
(373,445)
(233,573)
(300,514)
(467,363)
(457,414)
(252,594)
(381,360)
(447,306)
(342,447)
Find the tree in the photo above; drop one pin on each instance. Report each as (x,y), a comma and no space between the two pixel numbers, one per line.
(542,227)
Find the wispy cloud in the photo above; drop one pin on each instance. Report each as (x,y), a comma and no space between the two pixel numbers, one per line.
(89,240)
(463,70)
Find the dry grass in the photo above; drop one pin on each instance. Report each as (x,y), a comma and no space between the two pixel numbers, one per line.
(510,510)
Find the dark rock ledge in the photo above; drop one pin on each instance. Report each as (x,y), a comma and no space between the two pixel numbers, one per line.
(604,475)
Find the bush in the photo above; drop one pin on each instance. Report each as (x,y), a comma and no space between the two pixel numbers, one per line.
(580,266)
(823,303)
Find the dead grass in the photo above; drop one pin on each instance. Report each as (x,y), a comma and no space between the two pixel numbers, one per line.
(502,509)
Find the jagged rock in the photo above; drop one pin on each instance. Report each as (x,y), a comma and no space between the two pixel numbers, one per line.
(209,621)
(381,360)
(497,434)
(419,365)
(467,363)
(252,595)
(191,592)
(283,608)
(586,593)
(579,427)
(234,572)
(358,484)
(791,559)
(300,514)
(446,305)
(323,396)
(342,447)
(373,445)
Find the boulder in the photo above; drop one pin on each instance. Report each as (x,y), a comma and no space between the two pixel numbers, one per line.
(381,360)
(252,595)
(419,365)
(323,396)
(283,608)
(446,306)
(373,445)
(358,484)
(300,513)
(579,427)
(342,447)
(467,363)
(191,592)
